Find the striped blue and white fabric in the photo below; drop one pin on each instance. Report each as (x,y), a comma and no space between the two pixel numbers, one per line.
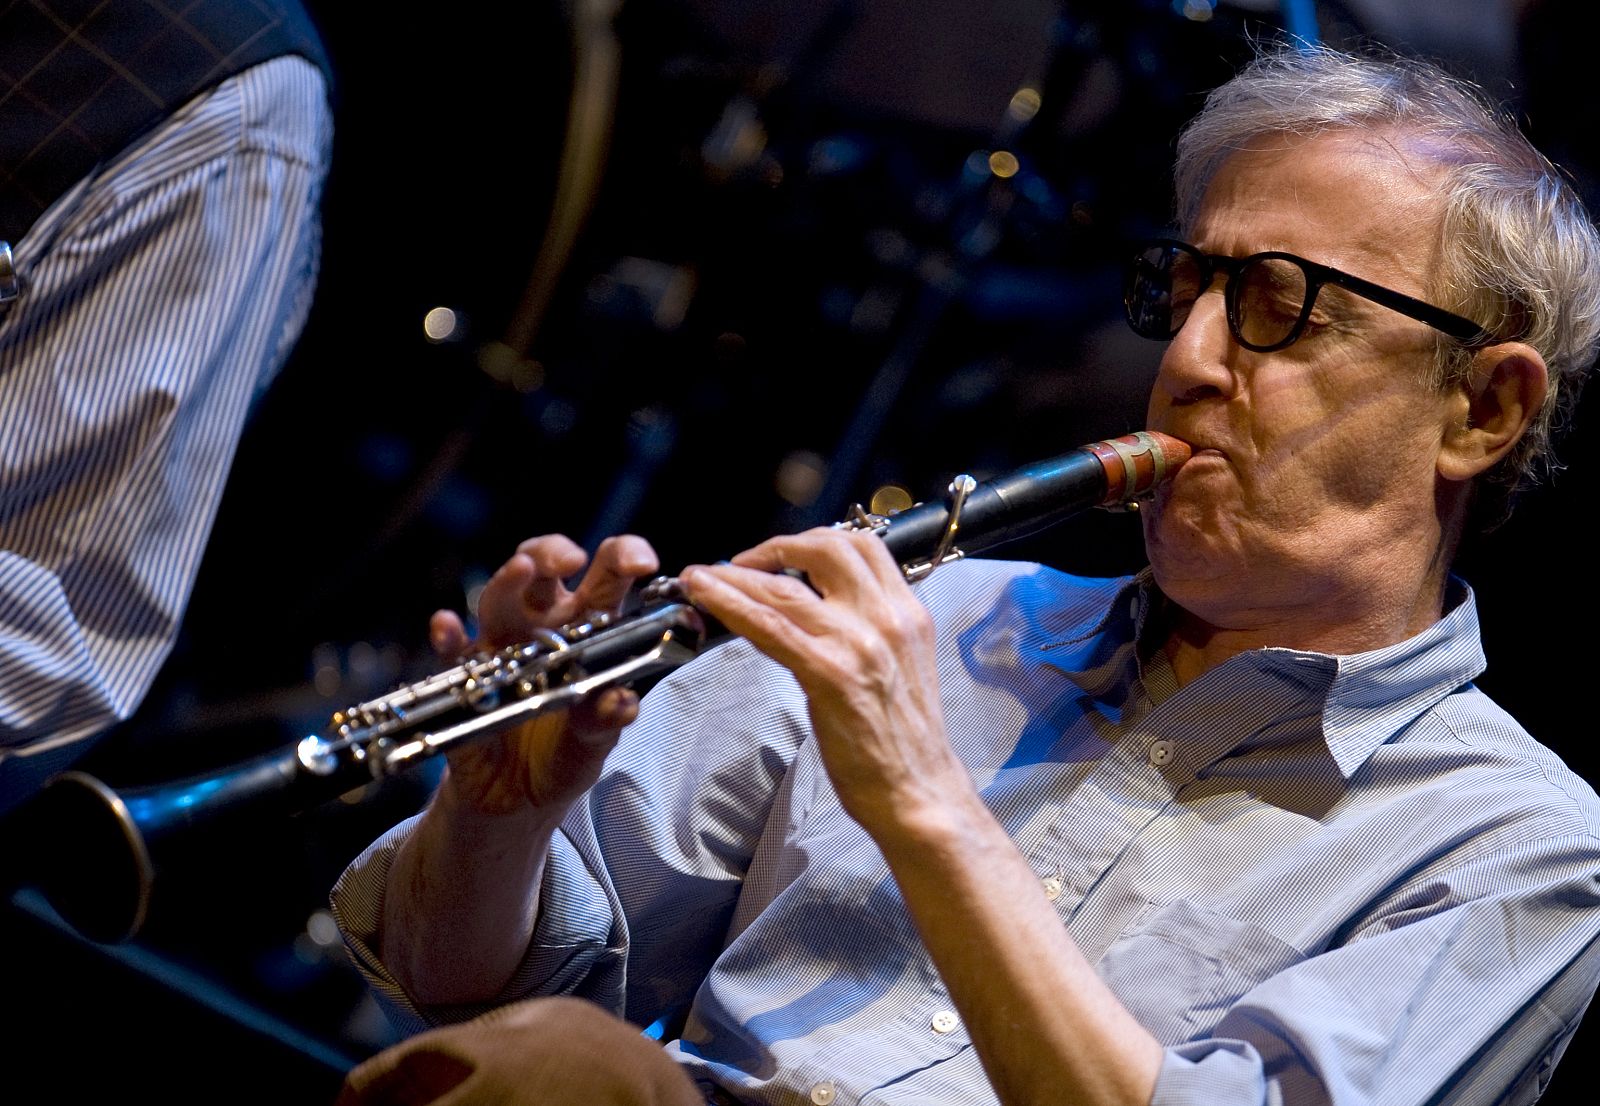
(1315,879)
(158,297)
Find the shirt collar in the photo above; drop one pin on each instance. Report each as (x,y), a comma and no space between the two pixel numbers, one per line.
(1375,694)
(1369,696)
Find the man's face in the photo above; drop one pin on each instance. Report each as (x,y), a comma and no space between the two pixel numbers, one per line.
(1311,460)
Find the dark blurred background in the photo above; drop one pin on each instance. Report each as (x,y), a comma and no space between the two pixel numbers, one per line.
(801,255)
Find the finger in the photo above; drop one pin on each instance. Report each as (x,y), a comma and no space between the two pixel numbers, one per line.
(618,562)
(764,608)
(505,614)
(832,560)
(447,634)
(874,551)
(554,558)
(784,592)
(526,592)
(600,717)
(766,557)
(867,574)
(864,597)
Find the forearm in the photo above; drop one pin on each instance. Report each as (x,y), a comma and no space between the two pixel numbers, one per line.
(461,899)
(1045,1026)
(863,649)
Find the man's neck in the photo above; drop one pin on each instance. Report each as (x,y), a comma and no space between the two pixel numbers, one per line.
(1339,621)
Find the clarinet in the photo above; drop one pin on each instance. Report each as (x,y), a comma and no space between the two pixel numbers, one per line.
(103,887)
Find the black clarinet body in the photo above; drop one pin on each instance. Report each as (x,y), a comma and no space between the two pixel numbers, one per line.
(103,846)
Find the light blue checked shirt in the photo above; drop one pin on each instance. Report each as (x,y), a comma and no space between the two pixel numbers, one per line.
(158,297)
(1313,878)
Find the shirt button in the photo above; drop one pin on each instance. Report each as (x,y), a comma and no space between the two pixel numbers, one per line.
(1052,887)
(944,1021)
(822,1093)
(1161,753)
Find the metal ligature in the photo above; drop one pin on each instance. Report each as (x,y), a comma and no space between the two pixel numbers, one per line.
(101,876)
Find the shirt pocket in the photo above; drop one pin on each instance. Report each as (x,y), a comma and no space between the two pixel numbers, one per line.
(1180,968)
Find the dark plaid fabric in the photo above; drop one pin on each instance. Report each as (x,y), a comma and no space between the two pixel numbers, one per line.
(80,78)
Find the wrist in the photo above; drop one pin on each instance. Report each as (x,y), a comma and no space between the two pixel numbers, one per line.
(937,813)
(466,811)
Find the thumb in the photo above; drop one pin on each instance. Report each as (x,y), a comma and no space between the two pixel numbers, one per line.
(447,634)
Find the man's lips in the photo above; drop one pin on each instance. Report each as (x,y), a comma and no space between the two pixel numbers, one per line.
(1191,432)
(1202,459)
(1198,444)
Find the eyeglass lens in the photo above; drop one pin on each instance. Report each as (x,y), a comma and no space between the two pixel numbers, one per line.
(1266,295)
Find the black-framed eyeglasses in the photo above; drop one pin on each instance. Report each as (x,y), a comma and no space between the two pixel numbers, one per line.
(1268,296)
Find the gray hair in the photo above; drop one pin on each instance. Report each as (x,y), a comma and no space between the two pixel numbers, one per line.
(1520,255)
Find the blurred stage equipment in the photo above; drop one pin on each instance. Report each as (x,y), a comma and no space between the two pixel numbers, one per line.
(596,71)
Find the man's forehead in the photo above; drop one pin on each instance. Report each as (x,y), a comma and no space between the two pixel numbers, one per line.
(1339,197)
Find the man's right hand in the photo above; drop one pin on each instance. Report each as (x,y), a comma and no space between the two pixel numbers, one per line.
(549,762)
(462,893)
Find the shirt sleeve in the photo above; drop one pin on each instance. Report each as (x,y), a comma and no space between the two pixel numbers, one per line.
(158,297)
(644,877)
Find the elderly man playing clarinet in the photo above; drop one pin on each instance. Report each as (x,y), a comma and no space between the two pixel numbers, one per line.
(1238,829)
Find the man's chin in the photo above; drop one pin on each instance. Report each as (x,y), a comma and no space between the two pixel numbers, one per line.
(1173,517)
(1183,540)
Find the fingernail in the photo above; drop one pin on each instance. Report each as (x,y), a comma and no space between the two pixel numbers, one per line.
(619,700)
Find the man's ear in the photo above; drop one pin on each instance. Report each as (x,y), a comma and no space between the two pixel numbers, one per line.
(1502,393)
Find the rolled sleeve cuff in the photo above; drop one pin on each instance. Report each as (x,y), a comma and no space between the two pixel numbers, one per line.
(578,946)
(1203,1073)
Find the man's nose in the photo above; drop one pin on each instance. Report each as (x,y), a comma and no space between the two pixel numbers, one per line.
(1199,360)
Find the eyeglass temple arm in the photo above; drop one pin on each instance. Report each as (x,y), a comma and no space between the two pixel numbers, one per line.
(1461,329)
